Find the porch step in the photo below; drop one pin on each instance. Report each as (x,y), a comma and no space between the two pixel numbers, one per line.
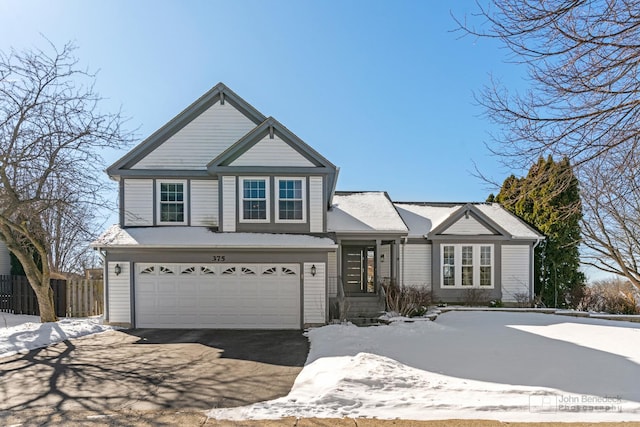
(363,309)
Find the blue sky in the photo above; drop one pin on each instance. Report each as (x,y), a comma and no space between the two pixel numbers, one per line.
(383,89)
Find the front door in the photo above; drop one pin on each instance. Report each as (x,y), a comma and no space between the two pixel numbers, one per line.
(358,269)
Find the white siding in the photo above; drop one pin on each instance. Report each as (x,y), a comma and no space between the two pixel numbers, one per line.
(138,202)
(467,226)
(515,271)
(271,152)
(229,203)
(119,293)
(316,204)
(332,273)
(204,203)
(200,141)
(314,294)
(5,260)
(415,265)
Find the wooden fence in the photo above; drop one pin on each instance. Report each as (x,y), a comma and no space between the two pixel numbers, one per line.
(74,298)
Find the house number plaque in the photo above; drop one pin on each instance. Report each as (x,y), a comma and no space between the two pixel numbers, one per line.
(218,258)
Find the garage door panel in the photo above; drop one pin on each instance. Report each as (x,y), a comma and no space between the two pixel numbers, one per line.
(218,296)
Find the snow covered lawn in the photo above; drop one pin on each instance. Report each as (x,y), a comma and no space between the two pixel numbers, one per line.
(19,333)
(487,365)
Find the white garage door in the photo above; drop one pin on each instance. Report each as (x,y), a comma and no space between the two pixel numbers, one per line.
(230,296)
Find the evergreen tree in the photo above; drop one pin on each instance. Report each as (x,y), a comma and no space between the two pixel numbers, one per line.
(548,198)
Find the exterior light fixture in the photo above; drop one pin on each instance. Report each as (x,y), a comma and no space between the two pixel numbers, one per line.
(313,270)
(117,269)
(382,258)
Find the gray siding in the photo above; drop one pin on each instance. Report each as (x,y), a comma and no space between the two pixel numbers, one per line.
(467,226)
(204,203)
(138,202)
(415,265)
(515,271)
(119,293)
(317,208)
(272,152)
(228,203)
(200,141)
(314,294)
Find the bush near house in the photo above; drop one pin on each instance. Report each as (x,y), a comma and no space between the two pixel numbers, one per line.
(615,296)
(409,301)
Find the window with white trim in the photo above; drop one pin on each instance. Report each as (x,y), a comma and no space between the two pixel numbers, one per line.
(486,275)
(172,199)
(465,265)
(254,200)
(448,266)
(290,203)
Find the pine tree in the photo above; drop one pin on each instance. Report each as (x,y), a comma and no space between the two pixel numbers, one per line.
(548,198)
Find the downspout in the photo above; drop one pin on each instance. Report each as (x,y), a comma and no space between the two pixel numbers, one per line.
(404,243)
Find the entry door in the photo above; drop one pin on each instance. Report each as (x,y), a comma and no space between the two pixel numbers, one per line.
(358,269)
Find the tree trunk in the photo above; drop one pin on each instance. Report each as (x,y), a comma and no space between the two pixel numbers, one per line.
(44,293)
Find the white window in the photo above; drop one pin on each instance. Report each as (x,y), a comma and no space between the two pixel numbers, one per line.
(290,203)
(448,266)
(172,202)
(254,199)
(465,265)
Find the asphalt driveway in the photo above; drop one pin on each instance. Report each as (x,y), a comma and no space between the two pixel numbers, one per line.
(151,369)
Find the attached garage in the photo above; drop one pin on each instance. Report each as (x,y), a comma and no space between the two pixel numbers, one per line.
(226,296)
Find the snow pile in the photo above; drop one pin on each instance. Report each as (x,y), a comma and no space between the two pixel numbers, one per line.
(25,333)
(488,365)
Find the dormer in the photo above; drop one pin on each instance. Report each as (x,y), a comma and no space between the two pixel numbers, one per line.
(273,181)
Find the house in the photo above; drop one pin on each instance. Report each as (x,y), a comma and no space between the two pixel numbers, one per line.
(230,220)
(5,260)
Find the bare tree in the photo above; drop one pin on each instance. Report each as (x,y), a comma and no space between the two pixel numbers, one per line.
(583,63)
(611,226)
(52,134)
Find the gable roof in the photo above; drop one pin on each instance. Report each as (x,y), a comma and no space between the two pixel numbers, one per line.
(364,212)
(320,165)
(223,162)
(219,92)
(430,219)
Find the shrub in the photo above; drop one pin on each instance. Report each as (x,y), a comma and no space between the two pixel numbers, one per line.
(475,297)
(522,299)
(613,296)
(409,301)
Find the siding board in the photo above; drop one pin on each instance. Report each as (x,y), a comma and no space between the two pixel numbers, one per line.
(316,204)
(119,305)
(204,203)
(229,203)
(416,265)
(138,202)
(468,226)
(314,294)
(332,273)
(200,141)
(272,152)
(515,271)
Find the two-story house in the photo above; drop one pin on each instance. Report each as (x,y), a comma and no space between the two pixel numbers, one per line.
(229,220)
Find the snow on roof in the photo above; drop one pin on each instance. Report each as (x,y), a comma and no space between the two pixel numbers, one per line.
(421,218)
(203,237)
(364,212)
(508,221)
